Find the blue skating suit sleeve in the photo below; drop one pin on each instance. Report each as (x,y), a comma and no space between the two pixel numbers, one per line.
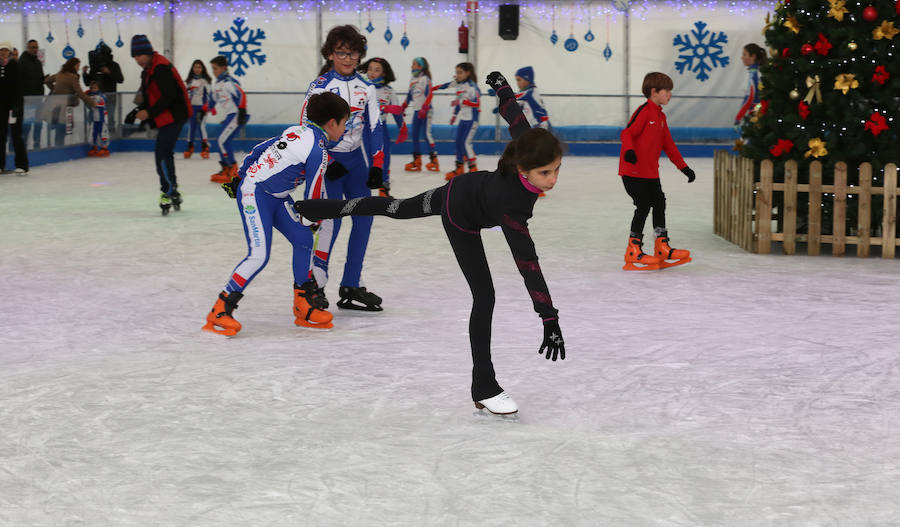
(278,165)
(533,107)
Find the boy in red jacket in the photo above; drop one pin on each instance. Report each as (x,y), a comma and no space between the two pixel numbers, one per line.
(646,135)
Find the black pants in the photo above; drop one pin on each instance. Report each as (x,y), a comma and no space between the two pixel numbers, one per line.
(469,251)
(647,194)
(17,141)
(165,156)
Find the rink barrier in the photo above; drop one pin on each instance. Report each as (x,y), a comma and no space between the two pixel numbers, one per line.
(743,208)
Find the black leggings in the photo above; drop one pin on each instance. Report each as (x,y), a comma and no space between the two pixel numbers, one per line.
(469,251)
(647,194)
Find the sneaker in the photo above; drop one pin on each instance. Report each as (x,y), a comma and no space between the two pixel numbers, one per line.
(21,171)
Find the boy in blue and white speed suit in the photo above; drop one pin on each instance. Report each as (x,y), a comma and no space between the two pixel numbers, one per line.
(266,178)
(353,170)
(229,100)
(99,118)
(529,100)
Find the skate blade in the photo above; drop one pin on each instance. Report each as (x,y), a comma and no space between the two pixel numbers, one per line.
(488,415)
(648,267)
(312,325)
(484,408)
(348,304)
(676,263)
(220,331)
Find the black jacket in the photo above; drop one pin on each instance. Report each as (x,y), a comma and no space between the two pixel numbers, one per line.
(108,81)
(10,89)
(31,71)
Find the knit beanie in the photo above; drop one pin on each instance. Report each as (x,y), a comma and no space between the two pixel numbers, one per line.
(526,73)
(140,45)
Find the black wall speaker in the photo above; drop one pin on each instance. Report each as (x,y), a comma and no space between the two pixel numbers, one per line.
(509,21)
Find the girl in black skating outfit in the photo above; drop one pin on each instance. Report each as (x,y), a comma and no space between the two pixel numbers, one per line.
(469,203)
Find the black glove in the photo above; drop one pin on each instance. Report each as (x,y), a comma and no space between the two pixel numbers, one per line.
(553,343)
(630,156)
(335,171)
(242,116)
(231,187)
(498,83)
(375,178)
(689,173)
(131,116)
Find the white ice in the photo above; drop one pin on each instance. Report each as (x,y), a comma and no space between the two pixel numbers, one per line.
(738,390)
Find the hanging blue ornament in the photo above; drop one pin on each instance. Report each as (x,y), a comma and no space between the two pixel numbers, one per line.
(80,31)
(50,37)
(589,36)
(68,52)
(119,42)
(571,44)
(388,35)
(370,27)
(553,38)
(607,52)
(404,41)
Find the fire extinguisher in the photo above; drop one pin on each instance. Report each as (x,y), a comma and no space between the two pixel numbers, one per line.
(463,33)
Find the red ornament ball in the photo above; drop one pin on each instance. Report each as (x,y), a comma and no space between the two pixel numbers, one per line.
(807,49)
(870,14)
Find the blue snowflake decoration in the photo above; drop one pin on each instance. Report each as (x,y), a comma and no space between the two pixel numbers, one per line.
(388,35)
(553,38)
(370,27)
(119,42)
(404,41)
(68,52)
(237,49)
(571,44)
(50,36)
(589,36)
(702,55)
(607,52)
(80,30)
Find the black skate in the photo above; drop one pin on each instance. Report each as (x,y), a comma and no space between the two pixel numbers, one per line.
(176,200)
(165,203)
(359,299)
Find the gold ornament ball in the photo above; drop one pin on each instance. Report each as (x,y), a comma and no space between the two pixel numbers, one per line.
(794,95)
(774,52)
(852,45)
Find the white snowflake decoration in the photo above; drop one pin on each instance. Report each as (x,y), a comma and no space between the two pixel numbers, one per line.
(239,48)
(700,57)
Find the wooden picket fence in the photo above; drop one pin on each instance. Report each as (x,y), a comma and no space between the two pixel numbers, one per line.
(743,207)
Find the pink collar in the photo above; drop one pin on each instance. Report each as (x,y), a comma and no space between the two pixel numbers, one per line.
(527,185)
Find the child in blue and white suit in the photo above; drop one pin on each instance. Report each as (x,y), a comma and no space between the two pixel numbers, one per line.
(419,99)
(268,175)
(228,99)
(99,118)
(379,72)
(467,107)
(529,100)
(198,84)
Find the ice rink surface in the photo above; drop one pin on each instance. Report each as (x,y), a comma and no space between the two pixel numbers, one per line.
(737,390)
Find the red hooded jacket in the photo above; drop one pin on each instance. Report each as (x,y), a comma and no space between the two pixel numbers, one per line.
(648,135)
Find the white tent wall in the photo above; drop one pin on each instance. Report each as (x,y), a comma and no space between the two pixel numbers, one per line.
(290,48)
(557,71)
(581,87)
(652,34)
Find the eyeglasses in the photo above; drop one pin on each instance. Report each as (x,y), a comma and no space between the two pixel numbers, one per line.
(343,55)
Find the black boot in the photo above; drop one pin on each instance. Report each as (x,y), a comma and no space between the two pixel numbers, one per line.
(359,299)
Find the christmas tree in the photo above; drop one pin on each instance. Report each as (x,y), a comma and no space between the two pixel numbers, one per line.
(830,87)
